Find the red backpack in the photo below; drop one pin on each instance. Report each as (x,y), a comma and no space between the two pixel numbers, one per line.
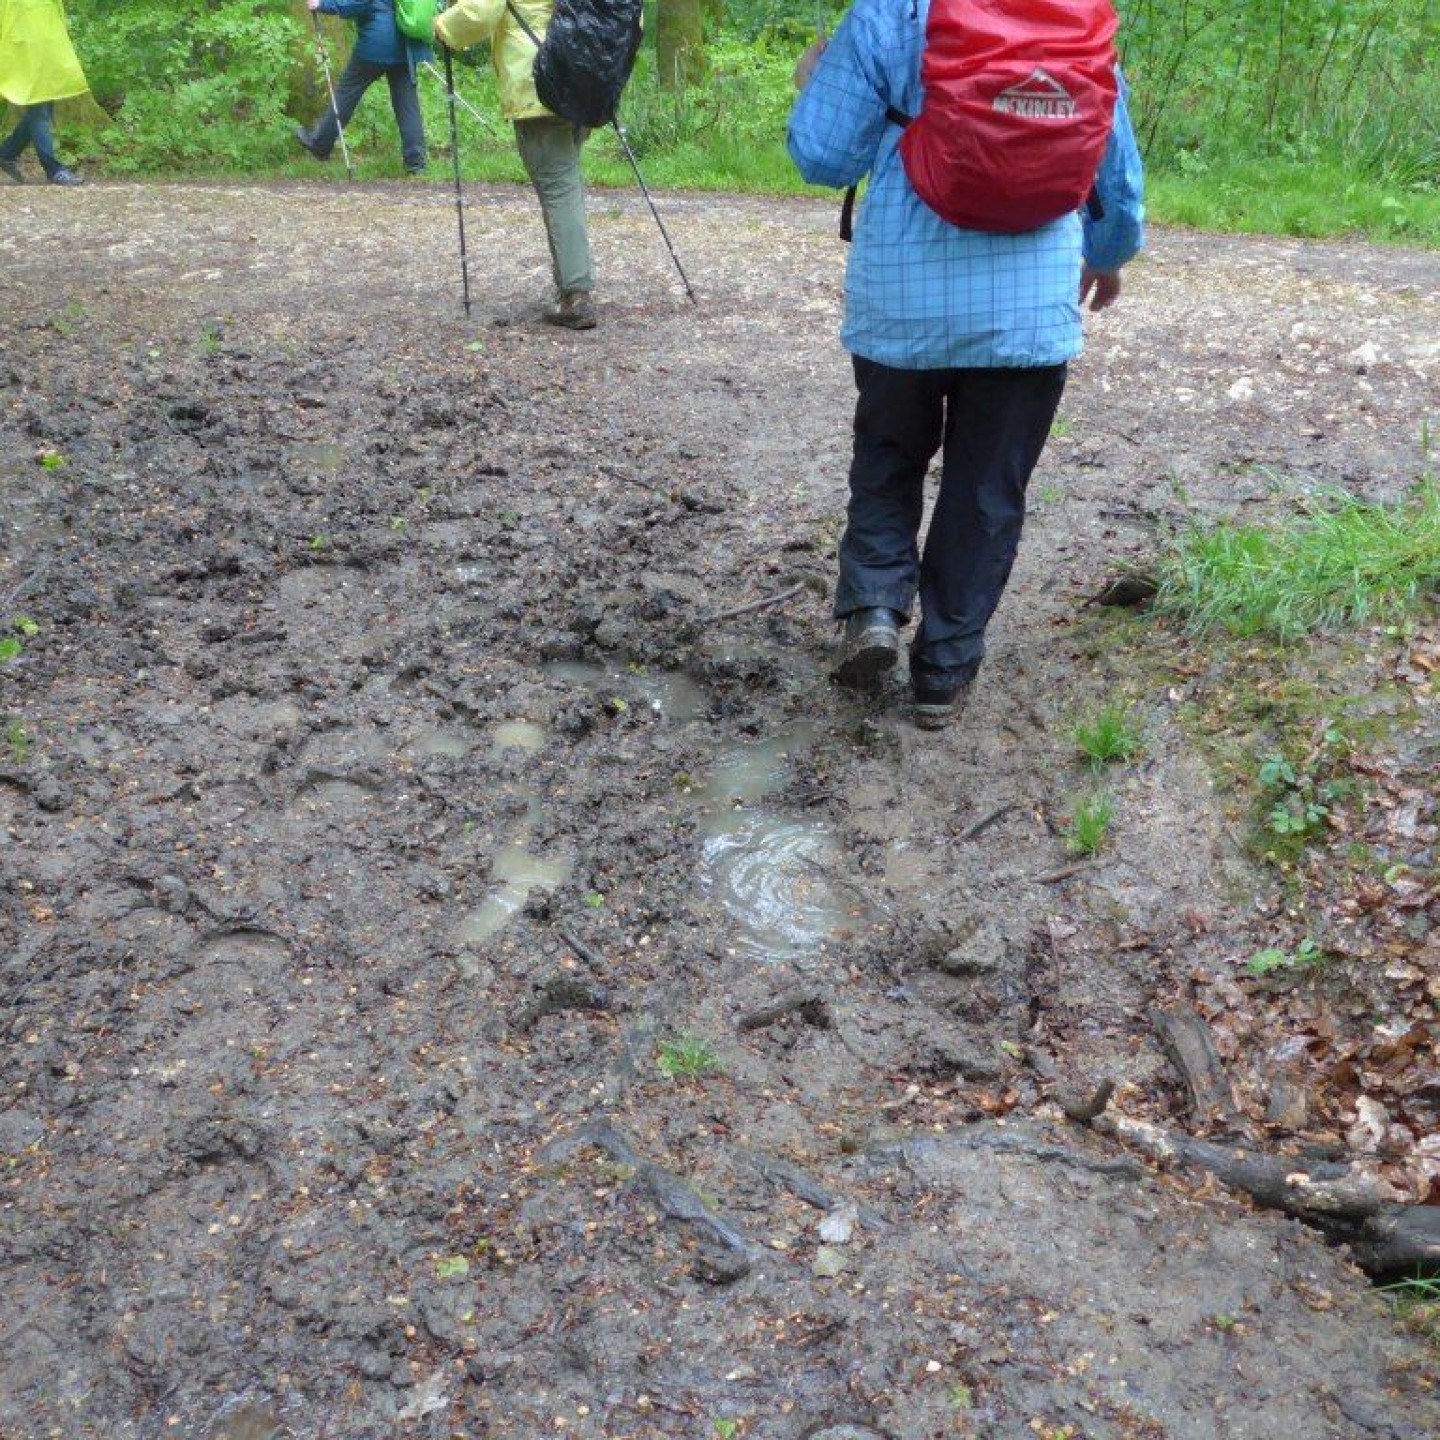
(1019,97)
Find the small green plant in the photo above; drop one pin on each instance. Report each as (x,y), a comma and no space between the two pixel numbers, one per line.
(1307,955)
(12,645)
(210,338)
(725,1429)
(319,543)
(18,741)
(1299,801)
(52,460)
(1111,734)
(1416,1304)
(1089,824)
(687,1057)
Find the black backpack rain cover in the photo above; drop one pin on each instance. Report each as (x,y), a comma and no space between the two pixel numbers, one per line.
(586,58)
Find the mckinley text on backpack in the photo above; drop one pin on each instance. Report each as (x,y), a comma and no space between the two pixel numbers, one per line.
(1019,99)
(583,63)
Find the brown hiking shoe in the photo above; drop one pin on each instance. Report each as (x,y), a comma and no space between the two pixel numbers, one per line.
(576,311)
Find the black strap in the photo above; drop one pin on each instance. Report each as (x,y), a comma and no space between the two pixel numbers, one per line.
(520,21)
(847,205)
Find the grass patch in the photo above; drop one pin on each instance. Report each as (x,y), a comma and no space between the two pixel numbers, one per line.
(1089,825)
(1110,735)
(1309,201)
(1342,562)
(687,1057)
(1416,1304)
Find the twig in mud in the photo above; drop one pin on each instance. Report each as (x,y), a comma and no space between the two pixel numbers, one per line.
(1085,1108)
(583,951)
(754,605)
(1385,1238)
(1066,872)
(986,821)
(28,583)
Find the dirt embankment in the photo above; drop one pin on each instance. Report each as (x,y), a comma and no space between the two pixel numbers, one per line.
(453,984)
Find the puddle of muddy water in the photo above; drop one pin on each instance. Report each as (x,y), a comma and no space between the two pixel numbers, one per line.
(522,735)
(775,875)
(516,871)
(776,879)
(317,457)
(670,694)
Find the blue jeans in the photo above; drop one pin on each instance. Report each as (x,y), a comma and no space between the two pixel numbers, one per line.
(993,425)
(37,128)
(357,77)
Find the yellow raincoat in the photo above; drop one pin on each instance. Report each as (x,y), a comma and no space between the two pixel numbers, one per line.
(512,51)
(37,60)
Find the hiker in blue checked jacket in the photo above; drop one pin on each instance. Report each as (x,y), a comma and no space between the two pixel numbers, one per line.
(958,339)
(380,49)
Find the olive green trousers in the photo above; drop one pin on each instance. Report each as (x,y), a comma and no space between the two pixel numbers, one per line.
(550,152)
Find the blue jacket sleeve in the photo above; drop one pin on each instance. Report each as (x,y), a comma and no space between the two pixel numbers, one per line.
(1116,238)
(839,117)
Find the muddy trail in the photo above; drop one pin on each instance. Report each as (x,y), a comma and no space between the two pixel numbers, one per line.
(464,971)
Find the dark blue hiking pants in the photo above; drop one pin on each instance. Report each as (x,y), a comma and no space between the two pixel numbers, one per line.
(991,426)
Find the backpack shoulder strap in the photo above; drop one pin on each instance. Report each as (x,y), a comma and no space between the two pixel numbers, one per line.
(847,206)
(523,24)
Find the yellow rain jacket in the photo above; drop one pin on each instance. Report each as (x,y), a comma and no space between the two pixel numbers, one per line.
(37,60)
(512,51)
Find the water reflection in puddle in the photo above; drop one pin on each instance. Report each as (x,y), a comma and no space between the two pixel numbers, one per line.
(776,876)
(750,772)
(317,457)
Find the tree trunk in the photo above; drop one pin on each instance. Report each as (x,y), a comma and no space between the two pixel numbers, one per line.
(679,42)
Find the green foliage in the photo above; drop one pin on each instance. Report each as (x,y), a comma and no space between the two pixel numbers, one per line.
(12,644)
(1302,81)
(17,741)
(1307,955)
(687,1057)
(1089,825)
(1340,561)
(1111,734)
(1416,1303)
(1301,117)
(214,81)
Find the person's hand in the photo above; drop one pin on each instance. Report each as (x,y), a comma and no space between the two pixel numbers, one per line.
(312,4)
(805,65)
(1100,287)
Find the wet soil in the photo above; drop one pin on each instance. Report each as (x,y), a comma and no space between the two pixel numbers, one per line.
(466,972)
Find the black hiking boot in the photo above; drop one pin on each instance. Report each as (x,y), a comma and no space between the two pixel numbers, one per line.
(868,647)
(13,170)
(306,141)
(938,698)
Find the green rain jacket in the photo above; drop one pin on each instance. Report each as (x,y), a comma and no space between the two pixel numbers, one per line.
(37,60)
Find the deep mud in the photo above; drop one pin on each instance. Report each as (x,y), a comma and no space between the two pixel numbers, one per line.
(385,807)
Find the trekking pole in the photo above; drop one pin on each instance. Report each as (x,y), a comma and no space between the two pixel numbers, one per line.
(330,86)
(640,180)
(459,194)
(430,68)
